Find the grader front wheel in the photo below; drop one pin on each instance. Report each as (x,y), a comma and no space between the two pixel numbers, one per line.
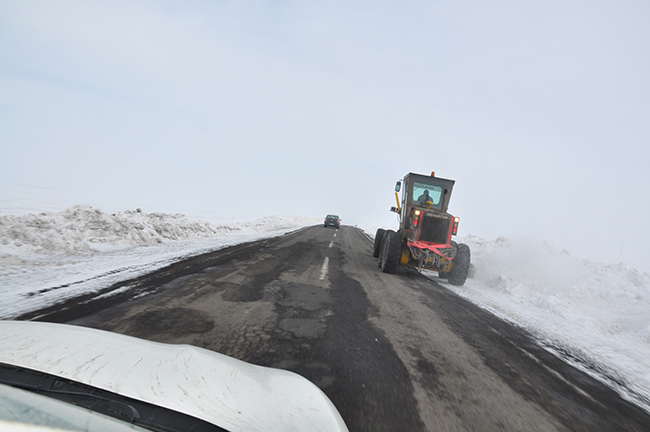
(460,266)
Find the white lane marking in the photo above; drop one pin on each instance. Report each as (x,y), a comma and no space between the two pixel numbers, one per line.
(334,234)
(331,244)
(323,270)
(558,375)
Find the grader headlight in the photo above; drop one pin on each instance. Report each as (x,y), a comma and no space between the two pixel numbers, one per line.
(416,220)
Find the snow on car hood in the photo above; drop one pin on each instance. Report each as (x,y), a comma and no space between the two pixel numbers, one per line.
(227,392)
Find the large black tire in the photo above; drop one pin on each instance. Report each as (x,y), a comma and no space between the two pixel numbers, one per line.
(382,251)
(392,252)
(460,266)
(379,237)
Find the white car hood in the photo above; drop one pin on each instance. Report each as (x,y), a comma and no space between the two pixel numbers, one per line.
(221,390)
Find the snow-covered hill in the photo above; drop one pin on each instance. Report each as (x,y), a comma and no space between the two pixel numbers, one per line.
(597,313)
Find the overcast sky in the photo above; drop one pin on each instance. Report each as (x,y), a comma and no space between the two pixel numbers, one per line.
(539,110)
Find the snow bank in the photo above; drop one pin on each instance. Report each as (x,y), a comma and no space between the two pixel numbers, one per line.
(82,229)
(596,312)
(49,257)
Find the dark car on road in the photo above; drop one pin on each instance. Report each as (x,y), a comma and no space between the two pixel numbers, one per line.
(332,220)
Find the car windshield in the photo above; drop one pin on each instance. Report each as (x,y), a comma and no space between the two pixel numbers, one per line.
(423,192)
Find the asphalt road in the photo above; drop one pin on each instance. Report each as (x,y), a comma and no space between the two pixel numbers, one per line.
(393,352)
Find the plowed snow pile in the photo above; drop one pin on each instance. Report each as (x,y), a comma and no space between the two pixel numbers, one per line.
(595,315)
(84,249)
(82,229)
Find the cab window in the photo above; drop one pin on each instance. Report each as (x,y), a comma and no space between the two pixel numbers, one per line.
(423,192)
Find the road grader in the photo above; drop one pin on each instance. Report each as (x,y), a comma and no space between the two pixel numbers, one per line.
(423,239)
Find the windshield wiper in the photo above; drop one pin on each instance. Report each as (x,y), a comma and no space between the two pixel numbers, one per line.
(133,411)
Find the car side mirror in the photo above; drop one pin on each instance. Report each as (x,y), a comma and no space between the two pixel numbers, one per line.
(397,186)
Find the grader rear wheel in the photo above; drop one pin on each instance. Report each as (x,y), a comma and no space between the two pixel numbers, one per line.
(392,252)
(379,237)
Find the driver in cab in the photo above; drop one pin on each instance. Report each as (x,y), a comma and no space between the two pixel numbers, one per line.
(425,200)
